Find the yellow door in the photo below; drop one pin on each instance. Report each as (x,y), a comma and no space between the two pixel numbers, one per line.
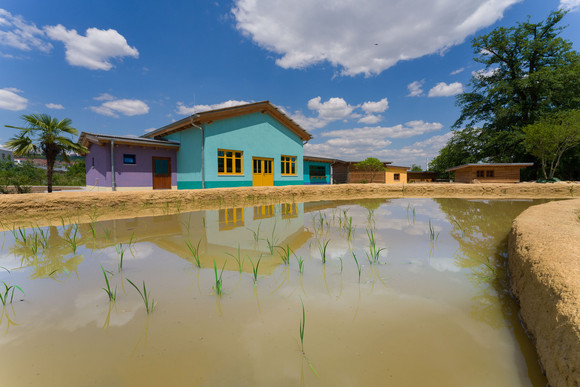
(263,174)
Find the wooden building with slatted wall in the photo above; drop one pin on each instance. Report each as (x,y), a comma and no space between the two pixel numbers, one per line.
(488,172)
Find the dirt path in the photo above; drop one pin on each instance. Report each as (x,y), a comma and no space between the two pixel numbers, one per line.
(46,209)
(544,265)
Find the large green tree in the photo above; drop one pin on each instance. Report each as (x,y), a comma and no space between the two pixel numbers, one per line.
(371,165)
(47,135)
(550,137)
(529,72)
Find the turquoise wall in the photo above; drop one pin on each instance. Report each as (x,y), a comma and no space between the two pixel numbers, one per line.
(308,180)
(256,135)
(188,158)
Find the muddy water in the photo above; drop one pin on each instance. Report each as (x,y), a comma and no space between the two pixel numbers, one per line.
(432,310)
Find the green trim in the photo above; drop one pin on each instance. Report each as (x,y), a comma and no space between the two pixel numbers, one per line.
(288,182)
(227,184)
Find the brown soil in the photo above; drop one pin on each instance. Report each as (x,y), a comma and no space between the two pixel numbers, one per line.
(544,264)
(45,209)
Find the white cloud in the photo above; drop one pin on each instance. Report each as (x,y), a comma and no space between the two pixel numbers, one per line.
(10,100)
(409,129)
(361,38)
(482,74)
(56,106)
(17,33)
(359,148)
(185,110)
(104,97)
(371,119)
(332,110)
(370,107)
(149,130)
(94,50)
(460,70)
(569,4)
(415,88)
(127,107)
(446,90)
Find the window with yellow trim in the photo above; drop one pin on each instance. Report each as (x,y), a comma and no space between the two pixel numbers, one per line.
(288,165)
(230,162)
(288,210)
(230,218)
(263,212)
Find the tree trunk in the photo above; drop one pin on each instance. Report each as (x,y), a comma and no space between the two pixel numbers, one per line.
(49,171)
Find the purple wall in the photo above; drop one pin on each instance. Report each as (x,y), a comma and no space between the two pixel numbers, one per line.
(98,165)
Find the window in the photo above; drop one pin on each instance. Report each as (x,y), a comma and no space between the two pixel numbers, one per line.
(288,165)
(129,159)
(230,162)
(263,212)
(231,218)
(489,173)
(480,173)
(397,176)
(288,210)
(317,172)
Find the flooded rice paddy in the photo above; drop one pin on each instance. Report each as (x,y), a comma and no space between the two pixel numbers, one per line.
(425,302)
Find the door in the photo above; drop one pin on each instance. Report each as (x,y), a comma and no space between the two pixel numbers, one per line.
(263,174)
(161,173)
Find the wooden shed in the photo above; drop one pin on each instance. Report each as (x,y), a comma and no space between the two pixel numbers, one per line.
(489,172)
(345,172)
(421,176)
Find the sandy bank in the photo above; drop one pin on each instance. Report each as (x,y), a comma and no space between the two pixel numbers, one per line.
(544,265)
(44,209)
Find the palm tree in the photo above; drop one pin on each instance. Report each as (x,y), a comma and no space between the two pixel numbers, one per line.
(45,134)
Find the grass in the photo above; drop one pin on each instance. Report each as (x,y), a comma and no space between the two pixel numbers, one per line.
(238,259)
(322,248)
(358,266)
(121,253)
(149,304)
(302,326)
(255,269)
(433,236)
(112,294)
(256,233)
(194,252)
(9,291)
(349,229)
(285,254)
(374,252)
(71,237)
(300,264)
(218,288)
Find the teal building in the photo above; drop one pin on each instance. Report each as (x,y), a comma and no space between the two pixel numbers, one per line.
(248,145)
(317,170)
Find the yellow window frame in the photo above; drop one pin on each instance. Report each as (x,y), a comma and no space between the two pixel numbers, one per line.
(288,164)
(229,156)
(230,218)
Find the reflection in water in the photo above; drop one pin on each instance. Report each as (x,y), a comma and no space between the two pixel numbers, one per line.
(440,305)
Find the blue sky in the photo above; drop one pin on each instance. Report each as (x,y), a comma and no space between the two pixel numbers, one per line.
(364,77)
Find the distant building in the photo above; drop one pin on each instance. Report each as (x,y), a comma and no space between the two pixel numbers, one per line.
(6,155)
(488,172)
(421,176)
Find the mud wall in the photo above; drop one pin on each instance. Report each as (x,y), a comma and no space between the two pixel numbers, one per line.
(544,266)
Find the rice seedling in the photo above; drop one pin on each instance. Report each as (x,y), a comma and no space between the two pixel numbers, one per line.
(218,288)
(348,227)
(340,259)
(34,245)
(256,233)
(255,269)
(300,261)
(2,267)
(149,306)
(358,266)
(43,238)
(322,249)
(72,237)
(194,252)
(111,294)
(433,236)
(374,252)
(239,260)
(459,226)
(8,291)
(285,254)
(121,253)
(302,326)
(273,241)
